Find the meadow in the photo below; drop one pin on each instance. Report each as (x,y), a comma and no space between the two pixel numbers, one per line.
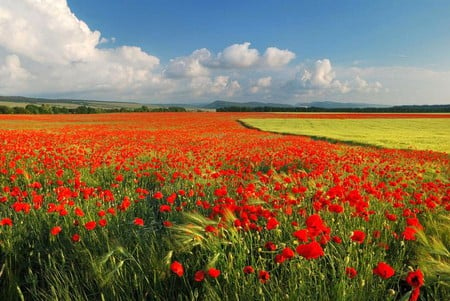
(195,206)
(404,133)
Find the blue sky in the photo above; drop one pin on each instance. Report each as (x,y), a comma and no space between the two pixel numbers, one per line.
(387,52)
(376,32)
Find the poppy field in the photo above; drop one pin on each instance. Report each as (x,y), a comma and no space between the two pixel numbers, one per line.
(194,206)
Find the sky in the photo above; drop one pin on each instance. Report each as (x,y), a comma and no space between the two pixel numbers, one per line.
(186,51)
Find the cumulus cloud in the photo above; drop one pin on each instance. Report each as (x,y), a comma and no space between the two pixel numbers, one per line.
(239,55)
(220,85)
(242,56)
(62,53)
(321,79)
(362,85)
(262,84)
(190,66)
(12,74)
(274,57)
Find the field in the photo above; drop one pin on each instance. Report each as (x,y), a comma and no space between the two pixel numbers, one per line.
(405,133)
(195,206)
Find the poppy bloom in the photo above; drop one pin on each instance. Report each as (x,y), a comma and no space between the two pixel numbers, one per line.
(279,258)
(103,222)
(358,236)
(270,246)
(301,235)
(213,273)
(55,230)
(76,237)
(199,276)
(165,208)
(272,223)
(167,224)
(384,270)
(248,269)
(6,222)
(351,272)
(158,195)
(288,253)
(263,276)
(79,212)
(90,225)
(310,251)
(409,233)
(177,268)
(139,221)
(337,239)
(415,279)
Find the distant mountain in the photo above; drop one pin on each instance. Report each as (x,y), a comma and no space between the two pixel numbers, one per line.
(252,104)
(339,105)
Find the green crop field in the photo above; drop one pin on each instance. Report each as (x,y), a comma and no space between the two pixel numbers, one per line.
(404,133)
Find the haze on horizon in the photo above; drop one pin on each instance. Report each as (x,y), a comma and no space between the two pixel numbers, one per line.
(383,52)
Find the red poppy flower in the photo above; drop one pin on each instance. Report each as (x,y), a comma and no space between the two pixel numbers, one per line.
(270,246)
(415,279)
(165,208)
(158,195)
(248,269)
(358,236)
(90,225)
(55,230)
(76,237)
(213,273)
(310,251)
(288,253)
(263,276)
(139,221)
(337,239)
(384,270)
(279,258)
(177,268)
(6,222)
(351,272)
(409,233)
(103,222)
(199,276)
(272,223)
(167,224)
(301,235)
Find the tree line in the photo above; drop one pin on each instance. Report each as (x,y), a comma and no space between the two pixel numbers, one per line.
(48,109)
(394,109)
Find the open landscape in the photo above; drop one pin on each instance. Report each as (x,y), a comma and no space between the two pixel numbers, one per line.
(224,150)
(129,206)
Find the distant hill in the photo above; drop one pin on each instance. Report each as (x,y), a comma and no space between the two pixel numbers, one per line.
(252,104)
(21,101)
(338,105)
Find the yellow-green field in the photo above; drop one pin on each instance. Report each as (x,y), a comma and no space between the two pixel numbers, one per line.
(404,133)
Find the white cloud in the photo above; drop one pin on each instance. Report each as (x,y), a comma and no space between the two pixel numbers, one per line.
(321,80)
(239,56)
(62,53)
(262,84)
(220,85)
(12,74)
(191,66)
(274,57)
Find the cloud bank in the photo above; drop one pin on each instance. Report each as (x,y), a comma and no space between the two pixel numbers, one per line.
(45,50)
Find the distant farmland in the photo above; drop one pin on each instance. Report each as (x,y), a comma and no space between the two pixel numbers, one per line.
(403,133)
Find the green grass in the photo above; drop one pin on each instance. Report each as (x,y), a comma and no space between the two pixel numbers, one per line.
(408,133)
